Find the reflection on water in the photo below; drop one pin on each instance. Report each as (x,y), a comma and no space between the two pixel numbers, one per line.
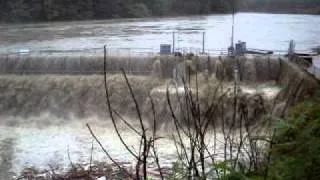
(264,31)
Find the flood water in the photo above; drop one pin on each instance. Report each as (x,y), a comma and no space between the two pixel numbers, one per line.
(34,146)
(261,31)
(47,141)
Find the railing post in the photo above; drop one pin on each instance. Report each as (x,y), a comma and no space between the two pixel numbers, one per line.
(105,58)
(173,42)
(129,64)
(203,42)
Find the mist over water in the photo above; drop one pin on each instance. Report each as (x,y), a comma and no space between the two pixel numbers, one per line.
(45,148)
(44,116)
(47,117)
(50,145)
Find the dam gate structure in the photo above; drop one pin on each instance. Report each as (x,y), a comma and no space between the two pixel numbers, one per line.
(139,61)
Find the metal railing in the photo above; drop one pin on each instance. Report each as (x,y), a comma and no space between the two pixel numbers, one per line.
(90,61)
(124,52)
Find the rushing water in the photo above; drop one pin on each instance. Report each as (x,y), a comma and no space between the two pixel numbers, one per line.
(49,144)
(45,140)
(262,31)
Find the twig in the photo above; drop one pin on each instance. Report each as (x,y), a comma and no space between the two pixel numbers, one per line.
(154,137)
(143,137)
(69,158)
(91,157)
(106,152)
(110,108)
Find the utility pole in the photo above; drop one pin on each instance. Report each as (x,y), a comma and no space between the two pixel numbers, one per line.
(231,48)
(232,37)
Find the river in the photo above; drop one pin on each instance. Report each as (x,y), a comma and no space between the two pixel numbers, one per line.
(48,144)
(261,31)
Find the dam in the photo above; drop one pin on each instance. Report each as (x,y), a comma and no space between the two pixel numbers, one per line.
(52,97)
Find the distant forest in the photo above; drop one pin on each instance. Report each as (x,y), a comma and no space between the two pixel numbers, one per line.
(59,10)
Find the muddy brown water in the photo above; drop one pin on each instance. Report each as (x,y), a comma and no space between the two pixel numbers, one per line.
(43,140)
(262,31)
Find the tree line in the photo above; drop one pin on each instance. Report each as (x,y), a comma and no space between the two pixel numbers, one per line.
(281,6)
(58,10)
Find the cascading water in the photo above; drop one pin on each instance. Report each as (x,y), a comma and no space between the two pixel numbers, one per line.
(44,115)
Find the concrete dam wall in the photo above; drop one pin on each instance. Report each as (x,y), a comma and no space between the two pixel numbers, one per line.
(70,87)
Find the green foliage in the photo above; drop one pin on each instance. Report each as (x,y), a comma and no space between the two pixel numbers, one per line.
(139,10)
(296,154)
(178,171)
(288,6)
(51,10)
(221,171)
(225,172)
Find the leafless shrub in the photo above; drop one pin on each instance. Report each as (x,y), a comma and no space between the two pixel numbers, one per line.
(225,112)
(146,146)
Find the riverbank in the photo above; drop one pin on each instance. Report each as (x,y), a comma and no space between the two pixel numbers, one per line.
(37,11)
(311,11)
